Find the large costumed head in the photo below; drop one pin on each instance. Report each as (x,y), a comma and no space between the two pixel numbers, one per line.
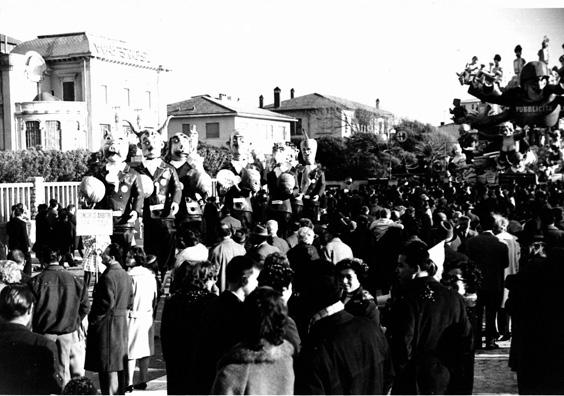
(239,145)
(151,140)
(309,150)
(115,146)
(182,145)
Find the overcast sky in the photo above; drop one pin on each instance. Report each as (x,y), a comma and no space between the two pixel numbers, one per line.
(405,53)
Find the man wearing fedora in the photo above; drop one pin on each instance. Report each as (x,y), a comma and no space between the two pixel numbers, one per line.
(260,248)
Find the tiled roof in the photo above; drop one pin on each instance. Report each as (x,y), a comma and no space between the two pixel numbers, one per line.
(206,105)
(73,45)
(317,101)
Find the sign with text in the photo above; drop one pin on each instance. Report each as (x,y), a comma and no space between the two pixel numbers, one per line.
(94,222)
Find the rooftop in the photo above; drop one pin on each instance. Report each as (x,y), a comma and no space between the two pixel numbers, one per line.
(317,101)
(84,45)
(204,105)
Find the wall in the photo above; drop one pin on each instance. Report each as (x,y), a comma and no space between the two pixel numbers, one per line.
(263,133)
(226,126)
(116,77)
(321,122)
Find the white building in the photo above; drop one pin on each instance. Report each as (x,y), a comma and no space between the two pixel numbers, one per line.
(90,83)
(216,118)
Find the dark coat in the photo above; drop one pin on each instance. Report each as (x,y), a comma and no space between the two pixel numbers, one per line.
(107,340)
(362,303)
(344,354)
(492,257)
(17,235)
(245,371)
(299,257)
(61,302)
(259,252)
(182,314)
(430,338)
(535,302)
(128,197)
(168,190)
(221,328)
(28,362)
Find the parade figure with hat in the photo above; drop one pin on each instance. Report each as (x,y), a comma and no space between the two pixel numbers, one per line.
(248,174)
(197,184)
(535,102)
(123,187)
(162,205)
(281,181)
(311,180)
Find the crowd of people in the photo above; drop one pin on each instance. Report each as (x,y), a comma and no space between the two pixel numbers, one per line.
(392,288)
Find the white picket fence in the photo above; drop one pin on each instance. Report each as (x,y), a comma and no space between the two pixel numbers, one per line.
(35,193)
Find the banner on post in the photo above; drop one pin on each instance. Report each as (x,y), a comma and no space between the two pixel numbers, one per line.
(94,222)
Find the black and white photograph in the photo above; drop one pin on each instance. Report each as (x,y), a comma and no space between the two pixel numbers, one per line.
(250,197)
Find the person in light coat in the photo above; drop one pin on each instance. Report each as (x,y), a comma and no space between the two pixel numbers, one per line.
(514,253)
(140,316)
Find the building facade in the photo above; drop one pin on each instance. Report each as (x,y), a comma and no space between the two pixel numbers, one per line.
(324,115)
(216,118)
(88,84)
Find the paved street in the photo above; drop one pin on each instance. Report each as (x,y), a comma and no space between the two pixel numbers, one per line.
(491,373)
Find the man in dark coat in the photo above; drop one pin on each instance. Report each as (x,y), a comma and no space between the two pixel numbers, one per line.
(537,353)
(28,361)
(107,339)
(260,247)
(341,354)
(221,326)
(492,257)
(430,334)
(18,239)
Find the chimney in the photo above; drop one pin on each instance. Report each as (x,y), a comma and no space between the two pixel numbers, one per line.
(292,93)
(377,104)
(222,96)
(276,97)
(261,101)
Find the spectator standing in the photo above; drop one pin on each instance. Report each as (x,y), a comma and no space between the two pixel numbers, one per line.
(18,237)
(223,252)
(278,275)
(194,250)
(260,248)
(274,239)
(335,250)
(181,318)
(492,257)
(301,255)
(107,341)
(42,232)
(430,333)
(61,304)
(262,363)
(28,361)
(221,326)
(140,317)
(341,354)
